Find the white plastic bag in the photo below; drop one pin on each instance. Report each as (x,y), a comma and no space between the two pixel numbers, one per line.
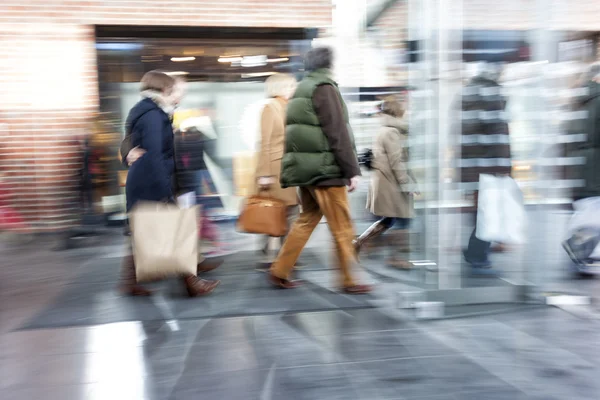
(586,215)
(500,213)
(186,200)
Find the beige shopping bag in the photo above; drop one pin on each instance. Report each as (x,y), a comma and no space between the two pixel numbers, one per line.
(165,240)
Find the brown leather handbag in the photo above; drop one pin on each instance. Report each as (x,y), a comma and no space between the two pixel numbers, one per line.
(264,215)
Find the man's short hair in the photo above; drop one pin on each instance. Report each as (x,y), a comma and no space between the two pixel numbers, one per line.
(318,58)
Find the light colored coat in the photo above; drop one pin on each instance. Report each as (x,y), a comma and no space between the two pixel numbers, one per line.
(391,180)
(270,151)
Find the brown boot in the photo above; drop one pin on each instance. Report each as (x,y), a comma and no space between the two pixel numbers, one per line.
(358,289)
(199,287)
(403,241)
(128,284)
(373,231)
(398,243)
(283,283)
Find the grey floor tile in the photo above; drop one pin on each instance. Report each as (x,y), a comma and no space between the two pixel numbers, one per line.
(294,353)
(235,385)
(419,344)
(226,329)
(223,357)
(366,346)
(395,379)
(459,374)
(106,367)
(60,392)
(90,338)
(316,382)
(149,389)
(16,371)
(495,394)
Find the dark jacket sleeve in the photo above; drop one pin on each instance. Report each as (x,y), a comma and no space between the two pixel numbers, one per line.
(328,107)
(149,127)
(125,148)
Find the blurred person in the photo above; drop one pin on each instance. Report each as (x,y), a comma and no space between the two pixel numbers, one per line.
(192,172)
(193,176)
(319,158)
(130,154)
(151,172)
(583,240)
(485,145)
(390,195)
(270,148)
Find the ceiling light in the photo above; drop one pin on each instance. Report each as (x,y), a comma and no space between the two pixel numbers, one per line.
(177,73)
(274,60)
(230,59)
(257,74)
(254,61)
(182,59)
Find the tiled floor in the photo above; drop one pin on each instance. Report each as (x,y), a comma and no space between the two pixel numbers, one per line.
(359,354)
(275,349)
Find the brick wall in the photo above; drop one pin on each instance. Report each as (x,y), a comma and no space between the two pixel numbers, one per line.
(49,82)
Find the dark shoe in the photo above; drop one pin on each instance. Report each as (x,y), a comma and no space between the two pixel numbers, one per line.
(209,264)
(283,283)
(199,287)
(128,283)
(358,289)
(373,231)
(477,264)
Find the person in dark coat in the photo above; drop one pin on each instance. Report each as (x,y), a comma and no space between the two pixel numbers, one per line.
(150,176)
(485,144)
(590,149)
(583,241)
(191,169)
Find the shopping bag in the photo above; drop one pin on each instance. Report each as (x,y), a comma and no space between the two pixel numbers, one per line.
(586,215)
(188,200)
(165,240)
(584,228)
(264,215)
(500,211)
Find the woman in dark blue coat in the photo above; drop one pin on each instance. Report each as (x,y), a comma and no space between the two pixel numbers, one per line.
(150,177)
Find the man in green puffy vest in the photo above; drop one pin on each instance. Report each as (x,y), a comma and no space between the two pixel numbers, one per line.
(320,159)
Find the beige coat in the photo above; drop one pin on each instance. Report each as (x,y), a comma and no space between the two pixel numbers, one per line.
(391,179)
(270,151)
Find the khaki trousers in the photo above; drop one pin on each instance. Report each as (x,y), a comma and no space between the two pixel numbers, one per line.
(316,202)
(292,214)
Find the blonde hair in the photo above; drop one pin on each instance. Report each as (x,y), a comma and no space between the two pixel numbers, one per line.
(280,85)
(157,81)
(391,106)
